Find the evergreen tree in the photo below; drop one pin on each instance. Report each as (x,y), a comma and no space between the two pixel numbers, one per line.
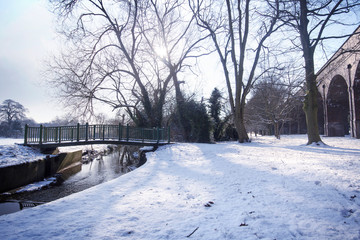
(215,108)
(195,122)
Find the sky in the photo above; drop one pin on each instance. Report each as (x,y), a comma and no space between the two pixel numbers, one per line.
(27,39)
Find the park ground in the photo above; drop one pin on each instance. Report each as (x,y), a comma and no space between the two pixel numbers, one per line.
(266,189)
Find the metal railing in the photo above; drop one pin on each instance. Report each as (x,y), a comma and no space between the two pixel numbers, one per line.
(88,133)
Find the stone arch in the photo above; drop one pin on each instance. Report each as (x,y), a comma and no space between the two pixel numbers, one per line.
(356,87)
(338,107)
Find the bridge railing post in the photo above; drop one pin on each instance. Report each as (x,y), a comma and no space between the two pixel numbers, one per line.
(103,132)
(40,132)
(78,132)
(26,134)
(59,134)
(86,132)
(94,136)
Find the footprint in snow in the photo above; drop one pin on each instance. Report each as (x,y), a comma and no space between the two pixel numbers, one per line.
(347,213)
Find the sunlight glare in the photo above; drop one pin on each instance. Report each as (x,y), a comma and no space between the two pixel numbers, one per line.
(161,51)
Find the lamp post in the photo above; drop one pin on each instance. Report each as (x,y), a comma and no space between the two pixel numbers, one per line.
(350,102)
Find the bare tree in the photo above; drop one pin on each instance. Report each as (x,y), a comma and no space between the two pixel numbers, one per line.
(172,34)
(13,116)
(271,104)
(109,60)
(311,20)
(11,111)
(129,54)
(238,30)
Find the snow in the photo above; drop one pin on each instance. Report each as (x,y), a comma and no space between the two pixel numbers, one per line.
(94,147)
(37,185)
(12,153)
(267,189)
(146,148)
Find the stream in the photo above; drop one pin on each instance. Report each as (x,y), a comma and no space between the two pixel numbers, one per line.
(96,171)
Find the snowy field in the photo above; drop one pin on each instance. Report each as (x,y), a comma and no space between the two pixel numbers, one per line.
(267,189)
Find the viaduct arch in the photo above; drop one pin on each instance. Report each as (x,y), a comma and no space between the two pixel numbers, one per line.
(339,86)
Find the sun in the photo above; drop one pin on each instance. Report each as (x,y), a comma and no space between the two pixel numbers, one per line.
(161,51)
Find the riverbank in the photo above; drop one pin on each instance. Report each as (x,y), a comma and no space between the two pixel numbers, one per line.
(21,165)
(94,164)
(267,189)
(13,153)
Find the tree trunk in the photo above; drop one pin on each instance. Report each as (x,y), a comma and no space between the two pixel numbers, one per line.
(311,108)
(276,130)
(310,104)
(181,107)
(240,123)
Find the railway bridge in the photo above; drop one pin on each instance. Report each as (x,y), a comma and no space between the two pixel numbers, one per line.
(339,86)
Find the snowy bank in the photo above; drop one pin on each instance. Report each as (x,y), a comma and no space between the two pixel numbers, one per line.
(267,189)
(12,153)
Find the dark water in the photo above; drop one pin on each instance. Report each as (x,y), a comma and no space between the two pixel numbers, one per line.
(99,170)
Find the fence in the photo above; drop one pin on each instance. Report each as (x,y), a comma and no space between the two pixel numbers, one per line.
(88,133)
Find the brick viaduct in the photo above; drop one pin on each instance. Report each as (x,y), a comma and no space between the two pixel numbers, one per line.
(339,87)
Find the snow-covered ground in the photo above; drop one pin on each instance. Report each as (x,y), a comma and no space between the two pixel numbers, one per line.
(267,189)
(12,153)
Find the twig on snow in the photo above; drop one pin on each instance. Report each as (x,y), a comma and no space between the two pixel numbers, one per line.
(192,232)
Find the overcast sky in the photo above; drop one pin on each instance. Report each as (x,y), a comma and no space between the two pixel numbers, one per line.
(27,39)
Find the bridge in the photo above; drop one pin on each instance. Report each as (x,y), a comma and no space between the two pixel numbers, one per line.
(52,137)
(339,87)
